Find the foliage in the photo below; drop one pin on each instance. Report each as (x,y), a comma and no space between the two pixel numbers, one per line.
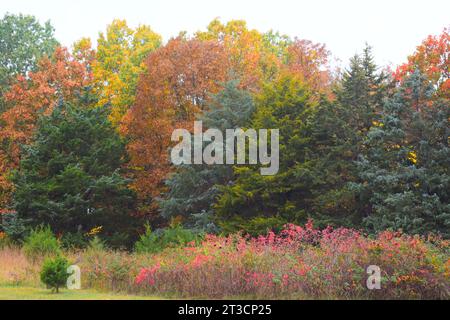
(54,273)
(285,104)
(257,58)
(41,243)
(405,170)
(23,42)
(73,240)
(96,244)
(165,102)
(251,55)
(302,262)
(153,242)
(59,77)
(119,62)
(337,133)
(69,176)
(194,188)
(13,226)
(4,240)
(431,58)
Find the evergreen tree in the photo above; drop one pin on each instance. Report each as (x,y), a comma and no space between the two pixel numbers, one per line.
(193,189)
(70,176)
(254,202)
(404,171)
(338,131)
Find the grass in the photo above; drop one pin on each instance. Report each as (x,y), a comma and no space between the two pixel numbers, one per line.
(19,280)
(31,293)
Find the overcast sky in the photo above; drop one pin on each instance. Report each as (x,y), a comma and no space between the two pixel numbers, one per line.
(393,27)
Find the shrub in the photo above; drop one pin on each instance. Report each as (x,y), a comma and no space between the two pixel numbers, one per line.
(303,262)
(108,270)
(153,242)
(41,243)
(13,226)
(96,244)
(74,241)
(54,273)
(5,241)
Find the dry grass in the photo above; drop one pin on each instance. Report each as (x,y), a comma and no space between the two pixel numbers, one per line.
(16,270)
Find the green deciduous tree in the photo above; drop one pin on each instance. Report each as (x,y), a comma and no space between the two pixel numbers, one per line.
(23,41)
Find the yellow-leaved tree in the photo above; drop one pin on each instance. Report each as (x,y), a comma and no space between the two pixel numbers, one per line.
(118,64)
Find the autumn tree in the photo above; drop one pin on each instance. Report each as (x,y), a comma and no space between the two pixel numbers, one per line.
(309,61)
(23,42)
(176,85)
(431,58)
(57,77)
(253,56)
(193,188)
(119,62)
(70,175)
(259,57)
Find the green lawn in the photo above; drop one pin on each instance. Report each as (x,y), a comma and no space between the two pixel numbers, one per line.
(30,293)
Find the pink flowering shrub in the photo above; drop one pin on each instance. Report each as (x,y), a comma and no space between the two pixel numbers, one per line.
(302,262)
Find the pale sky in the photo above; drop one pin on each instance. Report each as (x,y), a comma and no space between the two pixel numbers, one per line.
(393,27)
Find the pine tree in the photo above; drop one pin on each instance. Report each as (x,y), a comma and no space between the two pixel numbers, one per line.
(193,189)
(255,202)
(70,176)
(405,170)
(338,131)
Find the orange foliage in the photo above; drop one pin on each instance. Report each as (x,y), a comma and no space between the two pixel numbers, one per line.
(57,77)
(309,61)
(432,59)
(179,78)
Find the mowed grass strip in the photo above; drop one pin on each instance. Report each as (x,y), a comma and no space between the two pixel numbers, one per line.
(31,293)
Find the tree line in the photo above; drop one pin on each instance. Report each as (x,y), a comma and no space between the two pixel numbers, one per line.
(85,132)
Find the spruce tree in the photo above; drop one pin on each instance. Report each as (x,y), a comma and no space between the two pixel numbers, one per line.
(254,202)
(70,176)
(404,171)
(337,135)
(193,189)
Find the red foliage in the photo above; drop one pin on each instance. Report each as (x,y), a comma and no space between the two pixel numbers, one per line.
(432,59)
(303,262)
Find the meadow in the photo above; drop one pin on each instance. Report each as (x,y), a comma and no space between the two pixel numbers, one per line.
(300,262)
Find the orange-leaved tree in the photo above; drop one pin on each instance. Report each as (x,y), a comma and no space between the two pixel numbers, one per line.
(309,61)
(431,58)
(178,80)
(58,77)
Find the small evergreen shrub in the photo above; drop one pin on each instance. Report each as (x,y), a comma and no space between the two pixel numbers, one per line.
(153,242)
(74,241)
(96,244)
(54,273)
(41,243)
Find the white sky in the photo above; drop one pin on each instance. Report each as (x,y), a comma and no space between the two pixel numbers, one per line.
(393,27)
